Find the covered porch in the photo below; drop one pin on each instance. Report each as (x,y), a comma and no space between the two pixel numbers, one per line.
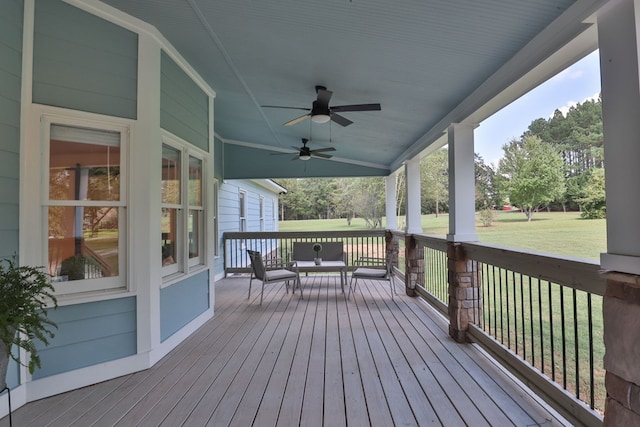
(320,360)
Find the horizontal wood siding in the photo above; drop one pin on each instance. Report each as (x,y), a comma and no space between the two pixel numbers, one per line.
(83,62)
(10,88)
(229,209)
(182,302)
(89,334)
(184,107)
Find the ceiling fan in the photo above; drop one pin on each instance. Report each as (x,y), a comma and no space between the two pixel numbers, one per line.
(321,112)
(305,153)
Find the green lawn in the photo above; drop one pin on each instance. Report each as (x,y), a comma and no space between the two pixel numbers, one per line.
(553,232)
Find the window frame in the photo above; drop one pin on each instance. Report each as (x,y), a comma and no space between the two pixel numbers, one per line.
(261,207)
(242,210)
(184,264)
(92,285)
(215,219)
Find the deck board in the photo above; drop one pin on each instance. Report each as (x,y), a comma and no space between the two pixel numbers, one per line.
(321,360)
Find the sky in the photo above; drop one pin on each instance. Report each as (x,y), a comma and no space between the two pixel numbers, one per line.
(575,84)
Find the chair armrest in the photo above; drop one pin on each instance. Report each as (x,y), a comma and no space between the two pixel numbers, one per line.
(274,263)
(371,261)
(293,266)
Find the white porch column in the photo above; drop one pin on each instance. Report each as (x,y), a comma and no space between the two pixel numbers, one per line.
(144,211)
(412,171)
(391,193)
(618,41)
(462,191)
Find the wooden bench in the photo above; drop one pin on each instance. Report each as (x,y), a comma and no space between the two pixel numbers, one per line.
(332,254)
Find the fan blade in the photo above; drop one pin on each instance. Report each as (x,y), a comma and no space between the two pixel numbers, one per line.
(324,156)
(343,121)
(288,108)
(324,96)
(297,120)
(321,150)
(356,107)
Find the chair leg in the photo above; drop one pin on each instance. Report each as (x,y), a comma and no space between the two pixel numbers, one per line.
(299,286)
(250,280)
(262,293)
(393,288)
(354,286)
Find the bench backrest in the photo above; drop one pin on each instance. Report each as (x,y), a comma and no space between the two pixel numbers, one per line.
(331,251)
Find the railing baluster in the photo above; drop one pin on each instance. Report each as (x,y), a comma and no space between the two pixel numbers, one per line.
(576,342)
(591,357)
(551,338)
(564,339)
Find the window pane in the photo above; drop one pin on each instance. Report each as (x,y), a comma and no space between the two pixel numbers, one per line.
(170,175)
(169,236)
(84,164)
(194,233)
(83,242)
(195,182)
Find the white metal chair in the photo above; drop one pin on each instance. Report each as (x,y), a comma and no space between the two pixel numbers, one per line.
(262,273)
(373,268)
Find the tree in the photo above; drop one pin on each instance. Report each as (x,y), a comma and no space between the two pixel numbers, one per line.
(434,181)
(369,200)
(531,173)
(487,195)
(594,201)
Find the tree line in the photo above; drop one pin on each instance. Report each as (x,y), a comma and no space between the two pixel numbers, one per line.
(557,163)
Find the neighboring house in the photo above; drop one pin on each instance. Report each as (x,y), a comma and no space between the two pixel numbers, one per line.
(245,205)
(123,211)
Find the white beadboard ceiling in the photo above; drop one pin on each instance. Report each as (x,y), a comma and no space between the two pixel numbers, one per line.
(427,62)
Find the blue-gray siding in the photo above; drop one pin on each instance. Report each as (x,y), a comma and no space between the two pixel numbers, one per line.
(10,89)
(83,62)
(184,107)
(182,302)
(89,334)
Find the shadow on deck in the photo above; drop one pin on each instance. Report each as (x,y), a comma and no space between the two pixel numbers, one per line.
(317,361)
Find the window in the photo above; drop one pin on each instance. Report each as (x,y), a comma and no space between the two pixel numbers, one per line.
(84,207)
(196,210)
(216,247)
(171,209)
(182,208)
(261,213)
(243,210)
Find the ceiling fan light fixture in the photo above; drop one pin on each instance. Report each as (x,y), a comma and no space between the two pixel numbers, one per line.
(320,118)
(304,157)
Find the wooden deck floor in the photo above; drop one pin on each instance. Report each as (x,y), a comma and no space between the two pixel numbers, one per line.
(317,361)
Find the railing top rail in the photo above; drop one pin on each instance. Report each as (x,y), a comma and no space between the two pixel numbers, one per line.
(581,274)
(433,242)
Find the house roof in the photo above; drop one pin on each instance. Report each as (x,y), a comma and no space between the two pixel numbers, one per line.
(428,63)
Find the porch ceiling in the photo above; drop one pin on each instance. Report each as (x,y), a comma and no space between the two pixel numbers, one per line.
(428,63)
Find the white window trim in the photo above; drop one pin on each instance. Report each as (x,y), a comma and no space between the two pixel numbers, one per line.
(186,266)
(261,207)
(47,116)
(215,219)
(242,207)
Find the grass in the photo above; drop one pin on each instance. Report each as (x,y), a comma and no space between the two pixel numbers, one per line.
(552,232)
